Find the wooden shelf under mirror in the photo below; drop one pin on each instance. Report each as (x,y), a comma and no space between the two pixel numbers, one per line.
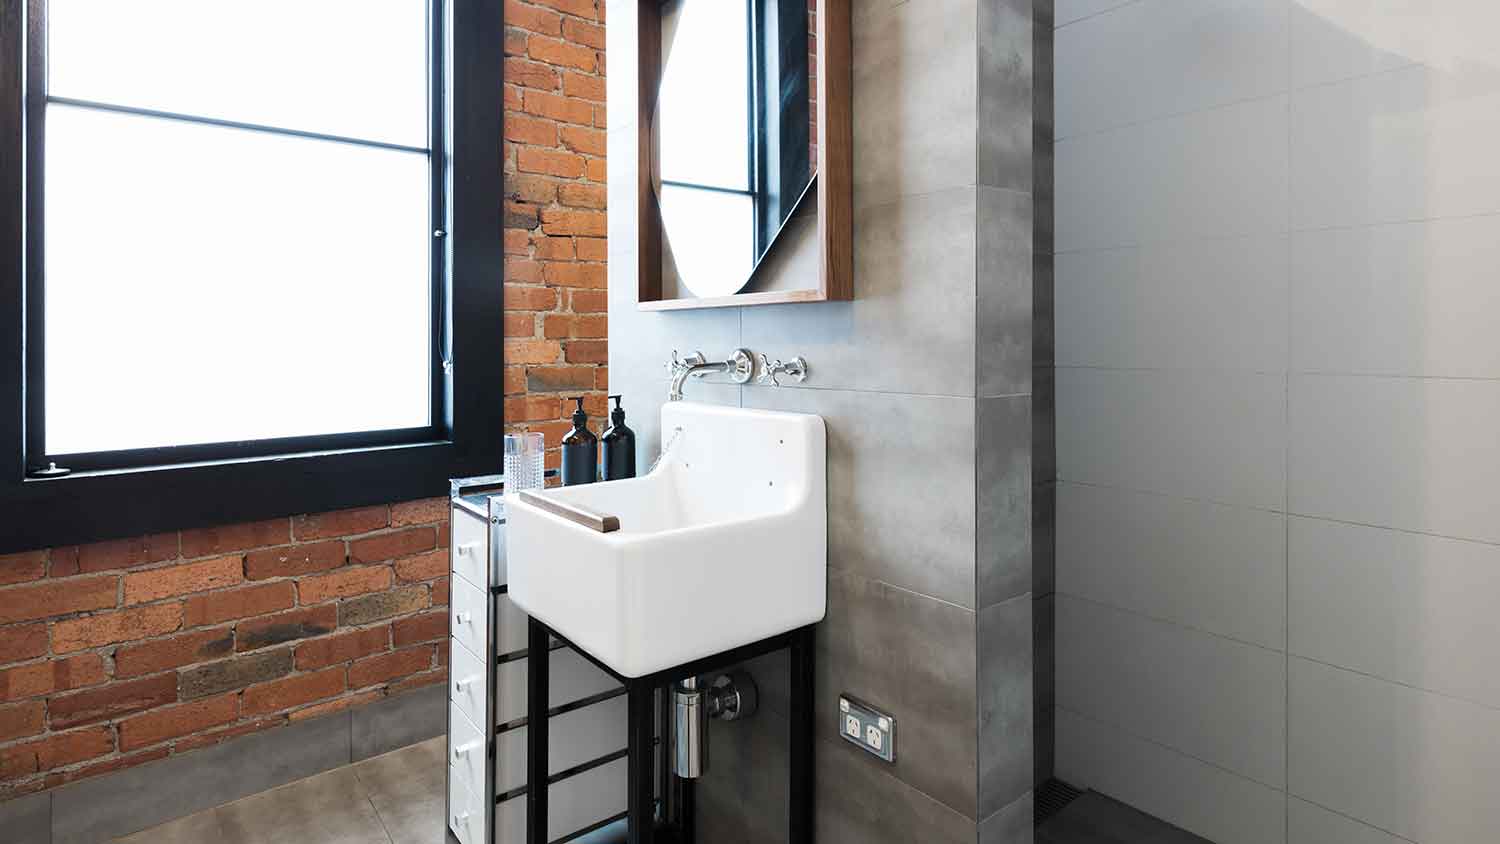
(745,156)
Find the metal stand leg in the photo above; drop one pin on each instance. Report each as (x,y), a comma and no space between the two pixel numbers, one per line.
(538,663)
(640,780)
(800,799)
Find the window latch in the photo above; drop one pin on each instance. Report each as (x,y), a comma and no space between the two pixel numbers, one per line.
(51,470)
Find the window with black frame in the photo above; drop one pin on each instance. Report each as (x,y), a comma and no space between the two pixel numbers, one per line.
(249,250)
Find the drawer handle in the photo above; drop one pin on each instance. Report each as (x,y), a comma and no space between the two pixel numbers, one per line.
(463,683)
(462,617)
(467,549)
(463,749)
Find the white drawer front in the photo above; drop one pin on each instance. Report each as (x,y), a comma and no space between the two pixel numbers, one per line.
(466,812)
(469,547)
(572,804)
(466,752)
(511,636)
(466,681)
(573,677)
(469,615)
(573,738)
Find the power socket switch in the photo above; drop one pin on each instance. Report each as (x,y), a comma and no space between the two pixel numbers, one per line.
(869,728)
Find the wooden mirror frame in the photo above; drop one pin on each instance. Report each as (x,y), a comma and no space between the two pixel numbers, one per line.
(834,175)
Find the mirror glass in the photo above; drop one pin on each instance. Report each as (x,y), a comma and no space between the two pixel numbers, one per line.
(735,133)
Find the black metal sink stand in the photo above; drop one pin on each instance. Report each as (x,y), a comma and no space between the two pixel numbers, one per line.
(644,765)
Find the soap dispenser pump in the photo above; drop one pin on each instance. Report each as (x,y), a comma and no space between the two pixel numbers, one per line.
(618,446)
(580,450)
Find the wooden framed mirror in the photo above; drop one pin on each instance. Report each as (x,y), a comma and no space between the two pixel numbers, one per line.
(745,153)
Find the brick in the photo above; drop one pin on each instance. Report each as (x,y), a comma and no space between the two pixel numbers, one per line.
(212,737)
(184,579)
(21,720)
(293,560)
(549,161)
(588,301)
(590,141)
(388,546)
(340,522)
(368,608)
(523,271)
(318,710)
(108,628)
(522,324)
(428,566)
(119,554)
(43,678)
(570,221)
(555,248)
(530,408)
(242,537)
(22,641)
(580,8)
(520,216)
(580,195)
(263,632)
(424,511)
(440,592)
(530,130)
(343,583)
(236,673)
(587,351)
(596,170)
(386,667)
(539,190)
(52,598)
(515,42)
(595,326)
(293,691)
(426,627)
(601,379)
(243,602)
(61,749)
(531,18)
(16,761)
(557,107)
(563,274)
(164,654)
(515,382)
(111,701)
(180,720)
(343,647)
(560,53)
(57,778)
(583,87)
(517,242)
(417,681)
(530,74)
(23,567)
(529,298)
(552,379)
(587,34)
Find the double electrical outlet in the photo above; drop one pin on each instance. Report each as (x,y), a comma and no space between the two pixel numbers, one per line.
(871,729)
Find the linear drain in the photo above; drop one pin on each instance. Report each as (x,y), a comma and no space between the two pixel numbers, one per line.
(1051,798)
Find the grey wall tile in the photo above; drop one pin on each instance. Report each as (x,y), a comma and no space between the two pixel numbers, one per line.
(398,721)
(127,801)
(1005,93)
(28,819)
(1006,738)
(1011,824)
(1070,11)
(1310,824)
(913,657)
(911,325)
(743,797)
(1005,310)
(1003,491)
(860,803)
(1043,537)
(900,485)
(1333,40)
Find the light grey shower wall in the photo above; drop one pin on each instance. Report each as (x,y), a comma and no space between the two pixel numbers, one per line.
(925,383)
(1278,392)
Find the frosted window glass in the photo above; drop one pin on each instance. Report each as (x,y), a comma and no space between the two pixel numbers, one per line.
(212,285)
(355,68)
(703,120)
(711,235)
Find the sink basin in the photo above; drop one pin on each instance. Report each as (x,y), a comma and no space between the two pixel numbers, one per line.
(724,543)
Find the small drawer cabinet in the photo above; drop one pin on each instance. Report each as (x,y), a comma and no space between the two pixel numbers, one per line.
(488,702)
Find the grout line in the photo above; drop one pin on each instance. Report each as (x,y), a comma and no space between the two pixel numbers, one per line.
(1290,797)
(1092,15)
(390,839)
(1170,622)
(1289,373)
(1387,680)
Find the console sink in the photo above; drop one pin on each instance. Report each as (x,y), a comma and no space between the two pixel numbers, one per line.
(724,543)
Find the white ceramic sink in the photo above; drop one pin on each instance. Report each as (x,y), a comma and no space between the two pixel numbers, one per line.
(724,543)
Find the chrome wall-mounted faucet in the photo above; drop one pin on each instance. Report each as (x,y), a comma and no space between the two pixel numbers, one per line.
(771,371)
(739,368)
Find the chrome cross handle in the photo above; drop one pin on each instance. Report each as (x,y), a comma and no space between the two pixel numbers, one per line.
(771,371)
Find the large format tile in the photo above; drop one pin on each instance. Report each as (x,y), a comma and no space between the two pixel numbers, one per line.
(913,657)
(27,819)
(900,485)
(1208,697)
(1156,58)
(206,826)
(1207,304)
(1210,566)
(1200,798)
(1070,11)
(1005,310)
(1418,454)
(1003,550)
(1341,39)
(742,799)
(860,803)
(1414,763)
(1005,704)
(915,99)
(1218,173)
(1310,824)
(406,789)
(1011,824)
(1401,299)
(1214,436)
(1416,609)
(911,325)
(398,721)
(1093,818)
(1007,81)
(330,808)
(1412,144)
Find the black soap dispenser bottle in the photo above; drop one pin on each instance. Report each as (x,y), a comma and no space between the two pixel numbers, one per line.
(618,445)
(580,450)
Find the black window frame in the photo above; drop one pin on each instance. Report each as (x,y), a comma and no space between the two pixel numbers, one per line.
(119,494)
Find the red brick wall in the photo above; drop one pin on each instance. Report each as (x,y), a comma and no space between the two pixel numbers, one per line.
(124,652)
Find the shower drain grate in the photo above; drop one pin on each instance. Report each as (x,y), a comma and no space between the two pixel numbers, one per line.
(1052,797)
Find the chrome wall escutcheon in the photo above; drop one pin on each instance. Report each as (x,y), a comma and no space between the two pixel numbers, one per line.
(771,371)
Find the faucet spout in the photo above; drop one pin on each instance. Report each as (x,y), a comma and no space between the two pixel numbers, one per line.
(740,366)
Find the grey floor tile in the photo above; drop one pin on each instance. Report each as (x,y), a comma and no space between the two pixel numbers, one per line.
(27,820)
(406,788)
(331,808)
(193,829)
(1096,819)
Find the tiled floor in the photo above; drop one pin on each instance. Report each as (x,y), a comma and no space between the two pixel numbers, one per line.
(1096,819)
(392,799)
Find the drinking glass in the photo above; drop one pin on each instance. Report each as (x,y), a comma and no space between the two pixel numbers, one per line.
(524,461)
